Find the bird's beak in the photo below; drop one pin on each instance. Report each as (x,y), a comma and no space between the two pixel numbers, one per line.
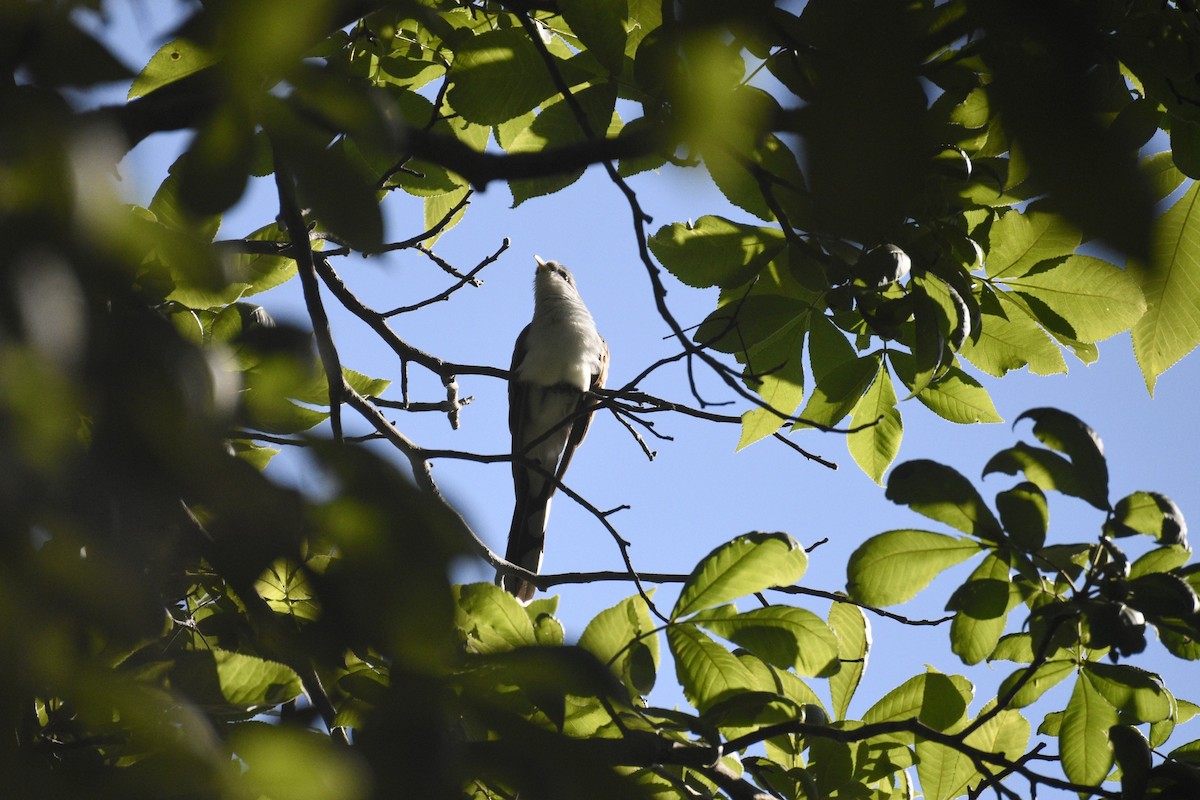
(541,264)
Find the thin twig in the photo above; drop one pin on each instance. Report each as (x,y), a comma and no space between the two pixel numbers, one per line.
(301,251)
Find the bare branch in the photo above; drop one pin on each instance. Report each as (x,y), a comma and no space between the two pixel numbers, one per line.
(464,279)
(301,251)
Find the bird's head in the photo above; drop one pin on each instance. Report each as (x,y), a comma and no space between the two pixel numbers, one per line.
(552,278)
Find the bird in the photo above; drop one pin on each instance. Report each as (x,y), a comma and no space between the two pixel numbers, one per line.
(559,359)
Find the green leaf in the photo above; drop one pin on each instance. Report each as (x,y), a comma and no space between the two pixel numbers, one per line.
(1132,754)
(942,493)
(483,88)
(1134,691)
(715,251)
(937,700)
(557,126)
(621,637)
(1160,559)
(253,454)
(1083,739)
(1163,595)
(439,206)
(945,773)
(875,447)
(1014,647)
(1068,434)
(1045,677)
(257,273)
(853,631)
(1018,241)
(892,567)
(739,326)
(1095,298)
(981,605)
(296,763)
(781,385)
(286,589)
(1024,514)
(838,391)
(492,619)
(273,414)
(1164,176)
(341,193)
(1152,514)
(169,209)
(750,563)
(601,27)
(317,390)
(1170,282)
(738,170)
(782,636)
(1048,470)
(707,672)
(955,396)
(1011,341)
(174,60)
(742,566)
(214,171)
(225,682)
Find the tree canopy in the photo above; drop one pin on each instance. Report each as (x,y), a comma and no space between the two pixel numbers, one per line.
(931,193)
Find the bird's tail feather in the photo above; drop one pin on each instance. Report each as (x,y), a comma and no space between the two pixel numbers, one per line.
(526,543)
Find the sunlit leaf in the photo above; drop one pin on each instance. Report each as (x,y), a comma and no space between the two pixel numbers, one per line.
(939,701)
(714,251)
(1083,741)
(1138,693)
(619,636)
(892,567)
(707,672)
(174,60)
(1045,677)
(484,90)
(875,445)
(1170,282)
(750,563)
(601,26)
(853,630)
(1020,240)
(493,619)
(1096,298)
(838,391)
(782,636)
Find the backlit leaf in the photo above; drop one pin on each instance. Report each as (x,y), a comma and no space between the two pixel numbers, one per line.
(1170,282)
(892,567)
(1083,739)
(750,563)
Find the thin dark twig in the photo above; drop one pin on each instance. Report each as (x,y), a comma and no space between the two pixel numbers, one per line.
(301,251)
(467,278)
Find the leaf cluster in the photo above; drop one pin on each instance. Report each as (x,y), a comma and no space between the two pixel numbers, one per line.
(178,624)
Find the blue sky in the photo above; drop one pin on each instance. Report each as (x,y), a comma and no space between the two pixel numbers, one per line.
(698,492)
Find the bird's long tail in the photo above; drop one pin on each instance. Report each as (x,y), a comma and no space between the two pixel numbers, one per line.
(527,542)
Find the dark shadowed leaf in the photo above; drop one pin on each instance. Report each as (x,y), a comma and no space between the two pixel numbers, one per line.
(1025,515)
(942,493)
(1071,436)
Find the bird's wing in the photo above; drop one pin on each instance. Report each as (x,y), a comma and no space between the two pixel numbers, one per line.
(579,427)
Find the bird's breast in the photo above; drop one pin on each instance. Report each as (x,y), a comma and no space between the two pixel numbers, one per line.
(561,353)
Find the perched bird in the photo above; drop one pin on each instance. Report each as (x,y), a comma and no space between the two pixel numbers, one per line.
(559,358)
